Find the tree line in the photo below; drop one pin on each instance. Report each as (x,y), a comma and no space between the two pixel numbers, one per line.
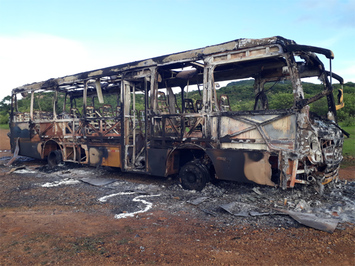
(240,94)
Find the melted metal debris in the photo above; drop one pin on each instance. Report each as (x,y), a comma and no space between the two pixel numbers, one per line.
(311,220)
(197,201)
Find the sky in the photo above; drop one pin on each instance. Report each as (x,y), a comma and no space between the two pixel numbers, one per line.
(43,39)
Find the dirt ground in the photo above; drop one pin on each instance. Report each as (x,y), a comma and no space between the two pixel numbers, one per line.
(58,217)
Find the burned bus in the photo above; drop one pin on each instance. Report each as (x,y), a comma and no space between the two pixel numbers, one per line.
(138,117)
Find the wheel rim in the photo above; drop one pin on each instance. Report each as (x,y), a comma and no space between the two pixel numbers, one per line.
(191,177)
(194,176)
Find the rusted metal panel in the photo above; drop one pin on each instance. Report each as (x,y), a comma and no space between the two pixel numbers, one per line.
(261,132)
(247,167)
(105,155)
(113,159)
(257,168)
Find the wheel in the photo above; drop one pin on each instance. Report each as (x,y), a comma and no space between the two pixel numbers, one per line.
(194,176)
(54,158)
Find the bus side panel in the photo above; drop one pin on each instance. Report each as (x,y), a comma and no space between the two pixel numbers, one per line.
(20,130)
(228,164)
(242,166)
(157,161)
(241,132)
(105,155)
(27,147)
(30,148)
(113,158)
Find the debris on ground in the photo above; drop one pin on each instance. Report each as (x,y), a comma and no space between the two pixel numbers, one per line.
(311,220)
(228,202)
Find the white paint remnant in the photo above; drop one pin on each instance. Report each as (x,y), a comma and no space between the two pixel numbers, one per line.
(136,199)
(104,199)
(66,181)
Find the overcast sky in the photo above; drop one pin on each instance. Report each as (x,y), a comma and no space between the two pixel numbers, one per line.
(42,39)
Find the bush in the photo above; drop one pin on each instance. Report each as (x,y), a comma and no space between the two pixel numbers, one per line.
(4,119)
(348,121)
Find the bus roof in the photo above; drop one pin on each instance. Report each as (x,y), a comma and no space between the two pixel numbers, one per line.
(175,58)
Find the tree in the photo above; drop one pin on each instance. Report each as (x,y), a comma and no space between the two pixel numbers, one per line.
(4,109)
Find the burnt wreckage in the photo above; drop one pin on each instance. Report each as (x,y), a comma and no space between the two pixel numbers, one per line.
(99,122)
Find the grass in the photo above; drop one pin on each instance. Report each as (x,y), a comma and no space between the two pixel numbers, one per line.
(349,143)
(4,126)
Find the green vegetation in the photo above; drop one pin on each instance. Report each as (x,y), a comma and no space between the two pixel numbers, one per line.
(240,94)
(349,143)
(241,97)
(4,110)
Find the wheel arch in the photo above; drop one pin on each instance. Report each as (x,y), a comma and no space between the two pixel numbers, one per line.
(184,153)
(49,146)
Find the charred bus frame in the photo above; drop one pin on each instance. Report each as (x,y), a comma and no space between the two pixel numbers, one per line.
(200,139)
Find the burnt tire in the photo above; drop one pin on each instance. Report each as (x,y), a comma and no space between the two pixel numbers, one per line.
(54,158)
(194,176)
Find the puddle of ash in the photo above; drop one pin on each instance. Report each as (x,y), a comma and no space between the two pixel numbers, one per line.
(226,202)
